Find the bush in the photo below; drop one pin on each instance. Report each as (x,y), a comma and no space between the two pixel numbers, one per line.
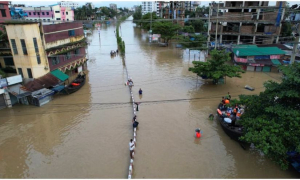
(9,70)
(2,74)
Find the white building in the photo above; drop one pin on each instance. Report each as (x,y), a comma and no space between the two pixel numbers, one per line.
(148,7)
(70,4)
(195,4)
(113,6)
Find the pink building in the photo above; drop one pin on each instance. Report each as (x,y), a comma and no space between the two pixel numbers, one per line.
(4,14)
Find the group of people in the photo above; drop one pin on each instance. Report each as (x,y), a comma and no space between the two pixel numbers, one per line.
(112,52)
(232,112)
(135,124)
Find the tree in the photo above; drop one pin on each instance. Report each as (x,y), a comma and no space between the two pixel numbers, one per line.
(286,29)
(198,25)
(166,29)
(188,29)
(137,15)
(196,42)
(272,118)
(215,67)
(146,20)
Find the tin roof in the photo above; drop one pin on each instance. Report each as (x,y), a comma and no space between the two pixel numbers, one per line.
(258,51)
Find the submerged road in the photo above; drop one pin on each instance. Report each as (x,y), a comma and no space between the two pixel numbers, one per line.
(86,134)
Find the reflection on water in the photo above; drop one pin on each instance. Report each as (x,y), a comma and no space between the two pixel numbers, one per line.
(84,135)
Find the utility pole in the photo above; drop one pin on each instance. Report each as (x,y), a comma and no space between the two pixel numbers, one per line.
(295,48)
(216,40)
(208,28)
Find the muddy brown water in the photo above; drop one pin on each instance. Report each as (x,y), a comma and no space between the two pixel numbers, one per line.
(85,135)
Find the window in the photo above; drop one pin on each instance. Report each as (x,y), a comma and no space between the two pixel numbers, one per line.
(77,52)
(38,59)
(20,72)
(67,19)
(43,13)
(55,60)
(57,18)
(38,13)
(71,32)
(34,13)
(35,45)
(9,61)
(24,46)
(68,55)
(57,12)
(14,46)
(29,73)
(3,13)
(44,20)
(66,13)
(48,20)
(47,13)
(63,13)
(30,13)
(1,5)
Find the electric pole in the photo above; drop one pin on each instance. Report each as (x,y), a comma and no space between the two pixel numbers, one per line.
(216,40)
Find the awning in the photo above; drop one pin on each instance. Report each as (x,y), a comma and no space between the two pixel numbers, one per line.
(60,75)
(276,62)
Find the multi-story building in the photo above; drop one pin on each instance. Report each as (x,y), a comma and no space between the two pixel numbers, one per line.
(90,3)
(113,6)
(188,5)
(38,49)
(148,7)
(195,4)
(53,13)
(5,14)
(70,4)
(174,10)
(246,21)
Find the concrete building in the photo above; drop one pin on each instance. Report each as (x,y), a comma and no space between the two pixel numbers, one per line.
(148,7)
(53,13)
(174,10)
(195,4)
(4,8)
(69,4)
(38,49)
(113,6)
(246,22)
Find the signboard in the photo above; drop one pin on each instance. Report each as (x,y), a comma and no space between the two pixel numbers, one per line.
(257,64)
(14,79)
(275,57)
(242,60)
(3,83)
(155,37)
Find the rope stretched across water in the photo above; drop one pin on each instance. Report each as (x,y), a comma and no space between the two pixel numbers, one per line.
(134,132)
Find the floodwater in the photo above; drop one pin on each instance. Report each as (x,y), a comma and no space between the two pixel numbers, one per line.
(86,134)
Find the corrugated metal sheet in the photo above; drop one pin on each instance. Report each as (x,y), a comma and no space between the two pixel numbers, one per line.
(45,81)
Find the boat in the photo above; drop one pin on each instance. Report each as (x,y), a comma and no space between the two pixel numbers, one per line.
(74,85)
(233,131)
(249,88)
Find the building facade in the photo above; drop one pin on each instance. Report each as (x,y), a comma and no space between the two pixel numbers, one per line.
(246,21)
(69,4)
(4,8)
(46,47)
(90,3)
(53,13)
(148,7)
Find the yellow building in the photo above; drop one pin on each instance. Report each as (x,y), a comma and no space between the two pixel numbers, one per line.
(38,49)
(26,43)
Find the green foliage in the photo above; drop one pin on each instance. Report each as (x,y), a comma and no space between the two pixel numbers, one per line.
(120,42)
(215,67)
(137,15)
(166,29)
(188,29)
(8,69)
(3,74)
(272,118)
(146,20)
(199,25)
(286,29)
(198,42)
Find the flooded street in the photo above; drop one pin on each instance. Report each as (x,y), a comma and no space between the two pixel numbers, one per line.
(86,134)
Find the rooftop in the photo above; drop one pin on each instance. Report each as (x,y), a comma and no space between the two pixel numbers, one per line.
(257,51)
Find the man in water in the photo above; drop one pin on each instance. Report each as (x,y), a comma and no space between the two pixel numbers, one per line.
(131,148)
(140,91)
(134,122)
